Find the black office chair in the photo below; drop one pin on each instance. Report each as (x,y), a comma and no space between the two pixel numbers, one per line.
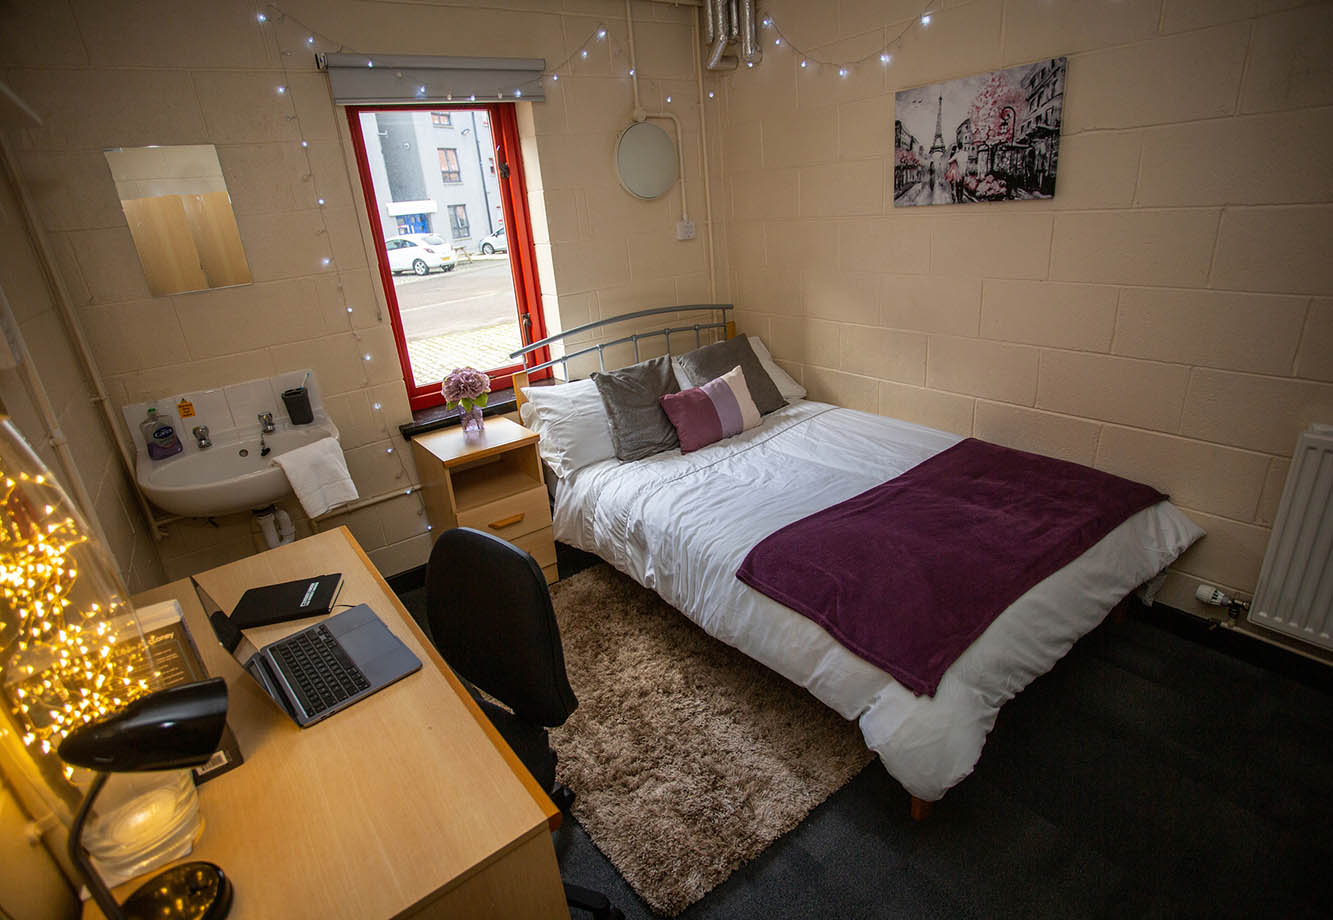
(490,615)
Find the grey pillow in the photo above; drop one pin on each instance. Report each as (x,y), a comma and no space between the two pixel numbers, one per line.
(639,427)
(712,361)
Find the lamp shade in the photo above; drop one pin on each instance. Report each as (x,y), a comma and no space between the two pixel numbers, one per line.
(170,729)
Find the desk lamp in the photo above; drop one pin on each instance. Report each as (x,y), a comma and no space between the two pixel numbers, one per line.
(171,729)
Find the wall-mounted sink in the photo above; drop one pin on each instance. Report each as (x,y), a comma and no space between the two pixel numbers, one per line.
(230,476)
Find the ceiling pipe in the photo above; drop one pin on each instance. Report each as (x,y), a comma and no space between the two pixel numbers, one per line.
(751,52)
(718,59)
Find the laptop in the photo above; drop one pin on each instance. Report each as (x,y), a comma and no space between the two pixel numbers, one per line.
(322,669)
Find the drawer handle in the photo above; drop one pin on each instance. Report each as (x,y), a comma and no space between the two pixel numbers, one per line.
(507,522)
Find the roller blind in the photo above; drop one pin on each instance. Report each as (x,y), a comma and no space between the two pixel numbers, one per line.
(361,79)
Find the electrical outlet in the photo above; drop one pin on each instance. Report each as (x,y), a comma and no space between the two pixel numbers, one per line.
(684,229)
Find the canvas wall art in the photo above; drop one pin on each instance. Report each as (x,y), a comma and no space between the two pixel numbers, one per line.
(989,137)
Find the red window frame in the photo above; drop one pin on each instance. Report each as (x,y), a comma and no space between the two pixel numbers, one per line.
(522,250)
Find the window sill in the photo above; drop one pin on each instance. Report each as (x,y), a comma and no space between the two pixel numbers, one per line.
(437,417)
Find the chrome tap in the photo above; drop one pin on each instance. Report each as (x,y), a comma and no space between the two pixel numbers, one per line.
(267,427)
(201,436)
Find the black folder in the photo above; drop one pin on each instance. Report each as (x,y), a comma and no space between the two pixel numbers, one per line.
(291,600)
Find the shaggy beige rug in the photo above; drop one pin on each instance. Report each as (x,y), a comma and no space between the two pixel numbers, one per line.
(688,758)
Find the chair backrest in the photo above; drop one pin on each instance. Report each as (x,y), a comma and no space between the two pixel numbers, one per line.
(491,618)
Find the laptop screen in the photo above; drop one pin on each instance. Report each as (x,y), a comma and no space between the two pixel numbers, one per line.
(231,638)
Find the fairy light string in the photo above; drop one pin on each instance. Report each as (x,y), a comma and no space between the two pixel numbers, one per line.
(883,54)
(270,17)
(60,667)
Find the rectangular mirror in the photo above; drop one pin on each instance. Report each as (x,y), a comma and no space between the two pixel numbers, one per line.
(180,216)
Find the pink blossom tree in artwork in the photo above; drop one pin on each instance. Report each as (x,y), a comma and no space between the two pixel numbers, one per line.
(996,110)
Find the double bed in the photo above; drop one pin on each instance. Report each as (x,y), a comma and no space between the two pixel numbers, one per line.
(682,524)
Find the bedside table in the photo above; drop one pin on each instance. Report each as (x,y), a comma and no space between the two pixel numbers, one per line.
(494,485)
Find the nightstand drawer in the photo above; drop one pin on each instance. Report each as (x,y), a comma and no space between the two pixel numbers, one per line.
(541,544)
(512,516)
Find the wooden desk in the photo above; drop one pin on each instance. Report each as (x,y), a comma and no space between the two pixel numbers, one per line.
(406,804)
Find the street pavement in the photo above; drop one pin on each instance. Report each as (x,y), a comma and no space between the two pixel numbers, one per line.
(924,193)
(471,296)
(466,317)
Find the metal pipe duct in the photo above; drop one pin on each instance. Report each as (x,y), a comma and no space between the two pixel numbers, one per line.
(718,59)
(749,28)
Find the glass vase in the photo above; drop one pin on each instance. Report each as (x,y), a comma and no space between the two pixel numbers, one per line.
(71,652)
(474,424)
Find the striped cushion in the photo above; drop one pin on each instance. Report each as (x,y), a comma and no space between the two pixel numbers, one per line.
(718,409)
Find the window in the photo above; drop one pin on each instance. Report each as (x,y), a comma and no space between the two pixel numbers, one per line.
(441,119)
(413,223)
(458,221)
(447,311)
(449,170)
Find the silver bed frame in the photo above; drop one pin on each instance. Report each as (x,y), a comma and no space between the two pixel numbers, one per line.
(728,327)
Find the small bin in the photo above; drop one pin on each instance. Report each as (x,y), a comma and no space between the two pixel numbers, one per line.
(297,401)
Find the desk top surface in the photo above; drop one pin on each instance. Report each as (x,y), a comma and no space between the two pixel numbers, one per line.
(378,808)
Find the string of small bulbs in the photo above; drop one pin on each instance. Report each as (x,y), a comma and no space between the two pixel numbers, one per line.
(268,17)
(883,54)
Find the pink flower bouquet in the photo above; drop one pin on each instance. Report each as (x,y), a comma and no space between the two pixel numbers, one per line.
(466,387)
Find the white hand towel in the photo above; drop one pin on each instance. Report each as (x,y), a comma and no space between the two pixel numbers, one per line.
(319,477)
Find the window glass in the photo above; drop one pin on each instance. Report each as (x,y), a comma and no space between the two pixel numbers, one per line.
(449,170)
(458,221)
(460,295)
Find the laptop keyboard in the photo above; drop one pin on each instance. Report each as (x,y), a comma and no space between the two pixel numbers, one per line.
(318,669)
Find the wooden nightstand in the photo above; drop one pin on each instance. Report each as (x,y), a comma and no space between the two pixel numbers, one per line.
(494,485)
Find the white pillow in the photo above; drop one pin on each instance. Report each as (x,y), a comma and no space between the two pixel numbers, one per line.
(786,384)
(571,420)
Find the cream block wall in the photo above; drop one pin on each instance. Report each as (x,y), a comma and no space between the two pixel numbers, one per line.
(55,360)
(1167,316)
(122,73)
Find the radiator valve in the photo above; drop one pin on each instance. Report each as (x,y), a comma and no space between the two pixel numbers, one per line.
(1216,597)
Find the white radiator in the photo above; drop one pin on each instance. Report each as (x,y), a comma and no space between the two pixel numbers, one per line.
(1295,591)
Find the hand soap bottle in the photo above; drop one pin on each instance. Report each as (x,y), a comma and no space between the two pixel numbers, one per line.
(159,436)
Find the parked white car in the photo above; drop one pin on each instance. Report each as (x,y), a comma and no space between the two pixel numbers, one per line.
(419,253)
(496,242)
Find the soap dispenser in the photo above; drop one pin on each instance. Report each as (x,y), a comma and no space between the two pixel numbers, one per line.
(159,436)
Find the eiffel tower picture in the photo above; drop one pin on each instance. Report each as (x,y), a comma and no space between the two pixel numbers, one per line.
(938,146)
(996,137)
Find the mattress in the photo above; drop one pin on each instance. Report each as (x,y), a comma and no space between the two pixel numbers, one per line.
(680,525)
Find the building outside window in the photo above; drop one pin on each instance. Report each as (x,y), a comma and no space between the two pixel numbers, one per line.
(441,119)
(474,312)
(449,169)
(458,221)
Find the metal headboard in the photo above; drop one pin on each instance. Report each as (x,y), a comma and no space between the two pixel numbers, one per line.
(634,338)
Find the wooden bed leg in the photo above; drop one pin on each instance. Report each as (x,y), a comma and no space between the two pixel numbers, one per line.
(920,809)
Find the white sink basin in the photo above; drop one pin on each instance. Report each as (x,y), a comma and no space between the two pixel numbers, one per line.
(219,480)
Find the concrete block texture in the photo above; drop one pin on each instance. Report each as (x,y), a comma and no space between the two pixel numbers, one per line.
(1166,315)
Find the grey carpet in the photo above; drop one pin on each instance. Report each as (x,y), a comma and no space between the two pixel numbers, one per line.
(689,758)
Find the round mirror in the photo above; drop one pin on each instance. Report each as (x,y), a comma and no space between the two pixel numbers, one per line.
(646,160)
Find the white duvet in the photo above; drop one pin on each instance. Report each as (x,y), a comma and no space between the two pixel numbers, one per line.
(681,525)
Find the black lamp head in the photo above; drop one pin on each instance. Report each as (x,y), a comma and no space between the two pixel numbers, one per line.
(171,729)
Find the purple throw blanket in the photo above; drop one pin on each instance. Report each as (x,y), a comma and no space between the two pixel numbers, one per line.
(909,573)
